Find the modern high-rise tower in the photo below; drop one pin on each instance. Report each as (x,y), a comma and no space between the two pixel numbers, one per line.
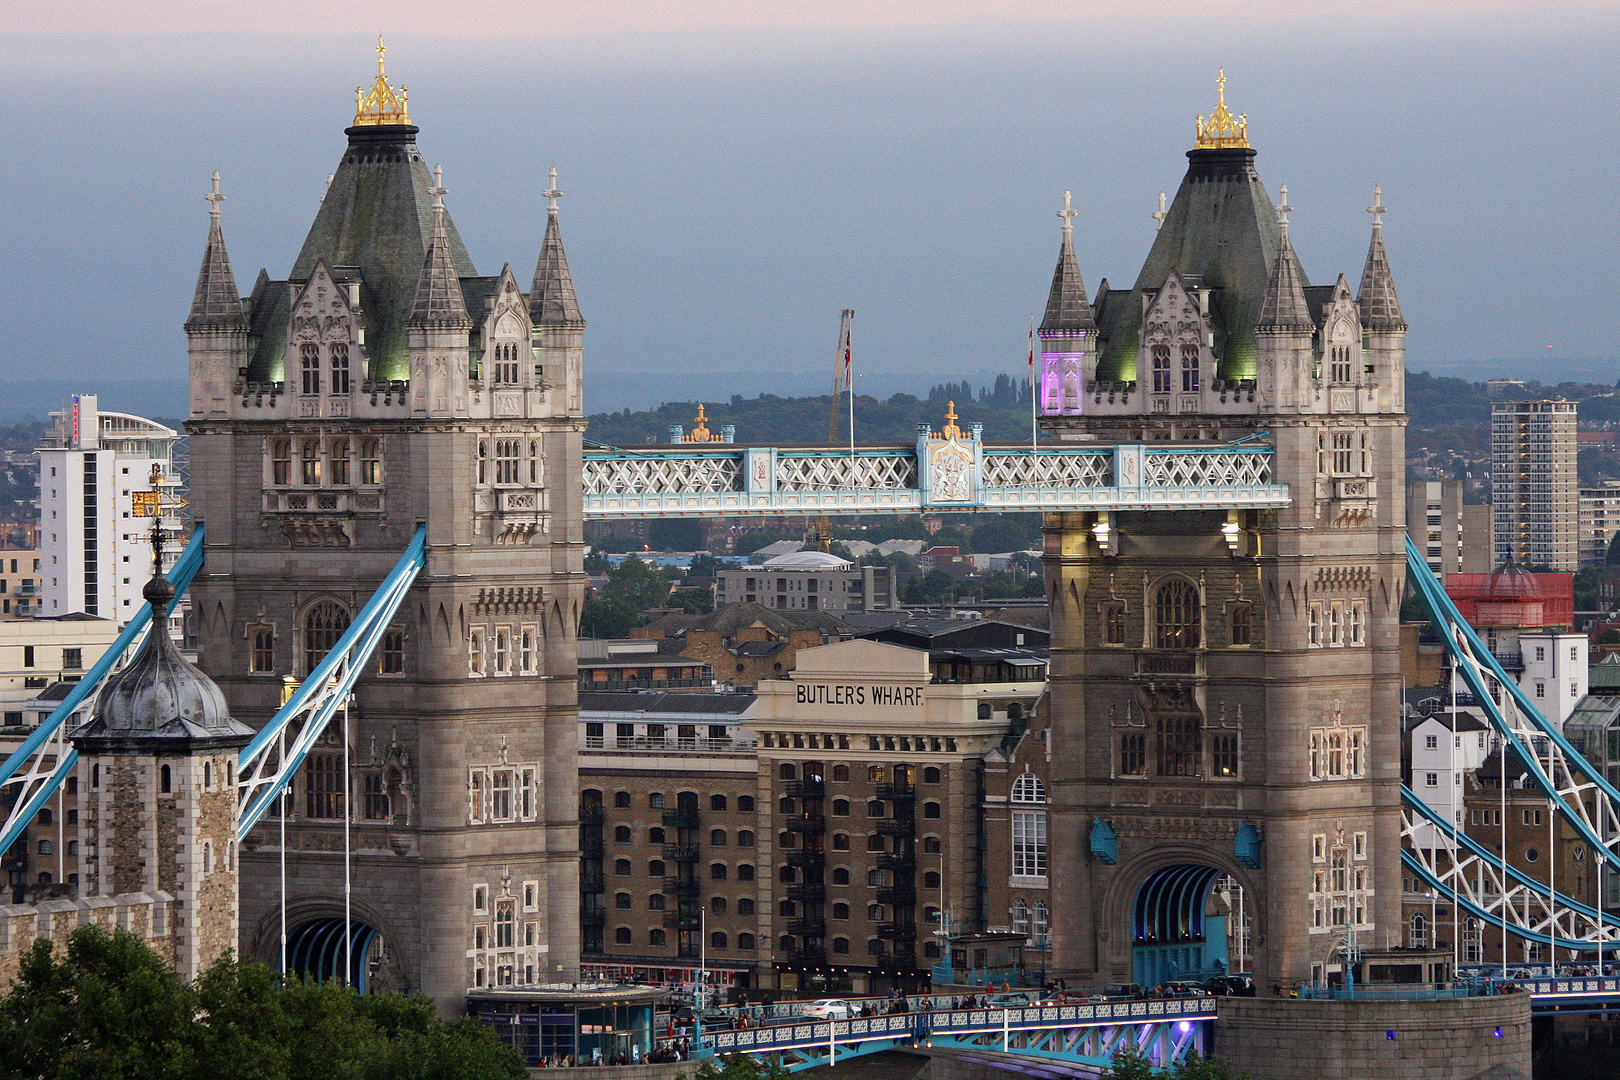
(1535,490)
(383,384)
(1225,684)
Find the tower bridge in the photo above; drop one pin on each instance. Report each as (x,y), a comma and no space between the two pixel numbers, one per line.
(1224,556)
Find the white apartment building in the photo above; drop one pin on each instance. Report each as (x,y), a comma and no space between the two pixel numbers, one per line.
(1444,747)
(1434,522)
(1554,675)
(1599,522)
(1534,488)
(95,554)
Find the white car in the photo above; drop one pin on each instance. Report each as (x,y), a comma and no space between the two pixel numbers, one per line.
(828,1009)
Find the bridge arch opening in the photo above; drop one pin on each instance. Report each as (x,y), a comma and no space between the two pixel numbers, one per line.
(1181,921)
(318,949)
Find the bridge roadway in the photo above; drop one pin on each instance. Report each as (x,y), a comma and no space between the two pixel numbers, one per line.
(937,473)
(1081,1033)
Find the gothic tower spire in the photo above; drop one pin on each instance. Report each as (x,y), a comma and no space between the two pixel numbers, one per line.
(439,302)
(1283,307)
(216,303)
(1067,309)
(551,298)
(1380,308)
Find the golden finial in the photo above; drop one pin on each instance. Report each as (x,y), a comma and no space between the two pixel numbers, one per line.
(383,105)
(950,431)
(701,432)
(1222,131)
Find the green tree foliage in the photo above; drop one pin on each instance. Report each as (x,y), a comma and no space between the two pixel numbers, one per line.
(692,601)
(110,1008)
(675,534)
(740,1067)
(1129,1064)
(632,587)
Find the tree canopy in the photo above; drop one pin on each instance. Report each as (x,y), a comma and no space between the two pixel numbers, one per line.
(111,1008)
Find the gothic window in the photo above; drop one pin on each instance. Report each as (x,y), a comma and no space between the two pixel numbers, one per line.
(483,461)
(500,795)
(1314,638)
(534,462)
(309,455)
(391,657)
(1040,921)
(1113,622)
(1175,611)
(475,652)
(1020,917)
(376,802)
(1242,624)
(281,462)
(338,454)
(1178,745)
(340,367)
(1189,366)
(1343,453)
(323,786)
(506,460)
(1029,843)
(371,461)
(1028,789)
(1223,751)
(262,656)
(1339,357)
(310,361)
(506,364)
(1356,630)
(526,650)
(503,641)
(323,625)
(1161,368)
(1133,754)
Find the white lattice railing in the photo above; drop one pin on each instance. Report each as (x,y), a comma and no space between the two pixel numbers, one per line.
(1087,469)
(804,472)
(662,474)
(1185,469)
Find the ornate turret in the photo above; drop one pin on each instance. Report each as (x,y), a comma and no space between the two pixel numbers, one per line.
(1380,308)
(1067,309)
(1283,307)
(439,302)
(217,327)
(160,814)
(551,298)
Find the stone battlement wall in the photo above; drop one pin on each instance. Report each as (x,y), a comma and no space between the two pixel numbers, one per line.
(149,916)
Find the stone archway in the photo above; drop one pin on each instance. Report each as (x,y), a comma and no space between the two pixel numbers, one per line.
(319,949)
(1159,921)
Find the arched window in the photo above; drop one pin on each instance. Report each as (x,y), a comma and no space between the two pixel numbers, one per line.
(931,775)
(337,453)
(745,804)
(309,357)
(745,838)
(785,806)
(717,838)
(1420,933)
(931,879)
(745,941)
(1040,922)
(840,774)
(1242,624)
(840,808)
(874,912)
(745,905)
(840,842)
(309,457)
(1028,789)
(875,842)
(717,872)
(165,780)
(875,808)
(323,625)
(717,802)
(621,900)
(717,905)
(263,655)
(1189,365)
(655,901)
(745,872)
(656,937)
(840,911)
(621,834)
(931,810)
(874,773)
(340,366)
(875,947)
(841,946)
(655,868)
(786,771)
(1175,615)
(787,909)
(717,939)
(281,462)
(785,943)
(841,876)
(621,867)
(621,799)
(1161,368)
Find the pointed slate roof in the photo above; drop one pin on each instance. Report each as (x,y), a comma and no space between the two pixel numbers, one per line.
(551,298)
(1380,308)
(439,302)
(376,221)
(1222,229)
(216,304)
(1283,306)
(1067,309)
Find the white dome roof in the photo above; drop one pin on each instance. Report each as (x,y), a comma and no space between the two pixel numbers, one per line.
(808,560)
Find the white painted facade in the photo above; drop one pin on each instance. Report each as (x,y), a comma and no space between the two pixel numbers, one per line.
(1444,747)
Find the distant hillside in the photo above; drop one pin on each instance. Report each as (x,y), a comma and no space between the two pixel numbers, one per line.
(1003,409)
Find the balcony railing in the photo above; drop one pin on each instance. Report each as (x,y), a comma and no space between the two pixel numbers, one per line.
(809,928)
(897,826)
(897,931)
(897,895)
(677,920)
(1167,663)
(805,857)
(807,894)
(681,852)
(590,849)
(592,917)
(591,815)
(897,792)
(676,886)
(813,788)
(643,743)
(807,823)
(590,882)
(807,957)
(680,819)
(898,862)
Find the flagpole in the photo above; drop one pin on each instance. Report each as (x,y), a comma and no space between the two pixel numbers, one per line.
(849,381)
(1034,426)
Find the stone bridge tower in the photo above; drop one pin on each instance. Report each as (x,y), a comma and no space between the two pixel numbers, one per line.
(1225,685)
(383,384)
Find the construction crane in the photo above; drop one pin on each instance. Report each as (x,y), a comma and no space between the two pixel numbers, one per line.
(821,535)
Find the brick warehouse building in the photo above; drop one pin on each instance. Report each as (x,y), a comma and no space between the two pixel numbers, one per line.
(812,838)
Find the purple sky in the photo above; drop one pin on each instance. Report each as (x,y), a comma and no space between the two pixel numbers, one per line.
(737,173)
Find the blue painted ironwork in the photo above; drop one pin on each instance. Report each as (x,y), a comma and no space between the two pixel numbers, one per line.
(269,761)
(958,472)
(316,950)
(1163,1030)
(1246,845)
(1477,879)
(1104,844)
(44,760)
